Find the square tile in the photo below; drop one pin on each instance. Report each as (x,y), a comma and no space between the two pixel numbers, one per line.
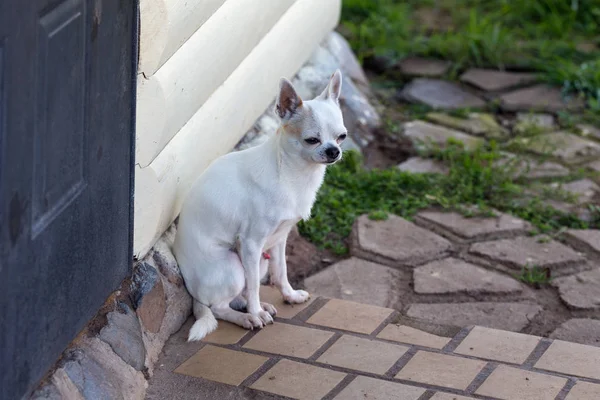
(584,391)
(449,396)
(572,359)
(494,344)
(407,334)
(364,387)
(509,383)
(270,294)
(289,340)
(221,365)
(226,333)
(298,381)
(349,316)
(363,354)
(441,370)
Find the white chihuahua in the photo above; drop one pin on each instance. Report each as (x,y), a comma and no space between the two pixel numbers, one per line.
(241,209)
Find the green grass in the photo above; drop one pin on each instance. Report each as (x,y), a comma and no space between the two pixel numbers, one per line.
(350,190)
(535,276)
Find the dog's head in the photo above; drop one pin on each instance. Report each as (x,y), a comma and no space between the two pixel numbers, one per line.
(314,128)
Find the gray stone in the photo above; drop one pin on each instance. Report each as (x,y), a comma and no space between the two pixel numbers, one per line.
(343,54)
(522,252)
(594,166)
(584,190)
(479,124)
(439,94)
(59,387)
(529,168)
(476,228)
(527,122)
(567,147)
(417,66)
(124,335)
(98,373)
(148,296)
(579,330)
(581,291)
(356,280)
(584,239)
(451,275)
(418,165)
(507,316)
(589,130)
(396,242)
(166,263)
(424,134)
(492,80)
(539,98)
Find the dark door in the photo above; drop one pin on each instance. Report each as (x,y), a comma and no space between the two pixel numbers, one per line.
(67,92)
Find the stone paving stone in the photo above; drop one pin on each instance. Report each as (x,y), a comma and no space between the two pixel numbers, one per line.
(226,333)
(586,239)
(593,166)
(510,316)
(522,252)
(525,167)
(584,190)
(364,387)
(350,316)
(423,134)
(396,241)
(476,228)
(124,335)
(572,359)
(449,396)
(356,280)
(363,354)
(539,97)
(298,381)
(417,66)
(508,383)
(289,340)
(494,344)
(451,275)
(221,365)
(270,294)
(579,330)
(418,165)
(584,391)
(439,94)
(407,334)
(479,124)
(492,80)
(441,370)
(589,130)
(569,148)
(536,121)
(581,291)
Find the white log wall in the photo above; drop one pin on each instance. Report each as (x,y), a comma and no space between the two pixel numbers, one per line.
(229,111)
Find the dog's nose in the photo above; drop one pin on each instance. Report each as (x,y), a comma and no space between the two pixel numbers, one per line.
(332,152)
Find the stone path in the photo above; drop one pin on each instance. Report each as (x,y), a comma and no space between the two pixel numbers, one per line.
(336,349)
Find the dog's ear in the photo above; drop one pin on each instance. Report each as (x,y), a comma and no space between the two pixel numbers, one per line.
(334,88)
(288,100)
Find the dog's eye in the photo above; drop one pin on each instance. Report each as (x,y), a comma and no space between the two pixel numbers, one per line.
(312,140)
(342,137)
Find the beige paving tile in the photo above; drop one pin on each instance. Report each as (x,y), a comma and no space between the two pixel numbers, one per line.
(449,396)
(270,294)
(510,383)
(289,340)
(584,391)
(362,354)
(349,316)
(498,345)
(226,333)
(221,365)
(298,381)
(441,370)
(572,359)
(364,387)
(407,334)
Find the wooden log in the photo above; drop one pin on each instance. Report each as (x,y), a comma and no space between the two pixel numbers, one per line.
(165,25)
(168,99)
(226,115)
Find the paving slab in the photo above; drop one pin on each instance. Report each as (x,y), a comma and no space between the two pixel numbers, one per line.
(452,276)
(509,316)
(593,166)
(350,316)
(418,66)
(580,291)
(478,124)
(584,190)
(424,134)
(419,165)
(523,167)
(396,242)
(584,239)
(439,94)
(288,340)
(492,80)
(589,130)
(407,334)
(509,383)
(497,345)
(539,97)
(571,359)
(357,280)
(539,122)
(565,146)
(370,388)
(584,391)
(579,330)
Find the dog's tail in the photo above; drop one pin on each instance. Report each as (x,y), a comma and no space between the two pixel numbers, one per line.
(205,322)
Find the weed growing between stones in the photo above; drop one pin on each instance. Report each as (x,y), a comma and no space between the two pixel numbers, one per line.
(534,276)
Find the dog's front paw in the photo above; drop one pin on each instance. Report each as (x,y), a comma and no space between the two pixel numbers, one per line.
(296,297)
(269,308)
(250,321)
(265,317)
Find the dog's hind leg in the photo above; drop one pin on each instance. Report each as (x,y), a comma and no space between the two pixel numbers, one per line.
(226,313)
